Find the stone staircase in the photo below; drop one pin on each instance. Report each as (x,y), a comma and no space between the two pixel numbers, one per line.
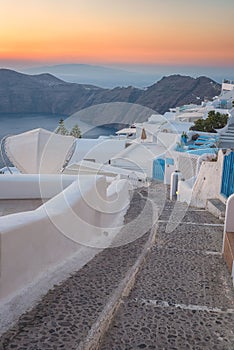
(162,284)
(216,207)
(183,297)
(227,139)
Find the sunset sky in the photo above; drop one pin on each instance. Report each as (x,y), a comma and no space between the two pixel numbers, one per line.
(125,31)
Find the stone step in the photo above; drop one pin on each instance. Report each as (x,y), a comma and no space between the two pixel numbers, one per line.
(64,317)
(162,325)
(180,265)
(226,139)
(227,144)
(227,133)
(216,207)
(231,130)
(73,313)
(182,299)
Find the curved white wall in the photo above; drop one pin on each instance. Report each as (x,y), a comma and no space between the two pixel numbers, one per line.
(35,241)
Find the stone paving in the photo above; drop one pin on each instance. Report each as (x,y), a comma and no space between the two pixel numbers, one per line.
(182,297)
(140,326)
(65,315)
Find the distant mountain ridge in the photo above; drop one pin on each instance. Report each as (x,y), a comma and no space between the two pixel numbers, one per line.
(44,93)
(136,75)
(102,76)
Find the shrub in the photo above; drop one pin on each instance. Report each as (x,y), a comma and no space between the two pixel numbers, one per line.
(215,120)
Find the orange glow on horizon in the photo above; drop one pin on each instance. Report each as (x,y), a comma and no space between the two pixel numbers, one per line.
(78,31)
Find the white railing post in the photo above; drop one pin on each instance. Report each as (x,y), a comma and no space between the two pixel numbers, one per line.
(228,248)
(229,216)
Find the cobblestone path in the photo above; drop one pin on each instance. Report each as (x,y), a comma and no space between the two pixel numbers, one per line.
(182,297)
(63,318)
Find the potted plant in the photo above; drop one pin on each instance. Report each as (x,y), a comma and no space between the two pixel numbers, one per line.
(184,137)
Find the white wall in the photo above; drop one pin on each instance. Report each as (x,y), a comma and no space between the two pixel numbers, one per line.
(31,186)
(208,183)
(228,232)
(139,157)
(90,168)
(169,169)
(167,140)
(206,186)
(187,164)
(99,150)
(227,86)
(80,216)
(229,217)
(185,189)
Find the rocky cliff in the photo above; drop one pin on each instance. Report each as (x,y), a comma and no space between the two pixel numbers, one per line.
(44,93)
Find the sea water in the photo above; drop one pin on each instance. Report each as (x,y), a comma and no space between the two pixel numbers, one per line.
(11,124)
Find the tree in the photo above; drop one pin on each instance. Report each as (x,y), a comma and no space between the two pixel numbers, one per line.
(215,120)
(218,120)
(61,128)
(75,131)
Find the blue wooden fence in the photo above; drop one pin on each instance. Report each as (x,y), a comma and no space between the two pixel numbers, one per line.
(227,187)
(158,169)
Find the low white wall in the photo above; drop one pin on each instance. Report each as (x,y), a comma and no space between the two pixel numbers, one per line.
(228,234)
(187,164)
(167,140)
(143,165)
(206,186)
(227,86)
(89,168)
(185,189)
(33,242)
(169,169)
(208,183)
(139,157)
(98,150)
(229,217)
(31,186)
